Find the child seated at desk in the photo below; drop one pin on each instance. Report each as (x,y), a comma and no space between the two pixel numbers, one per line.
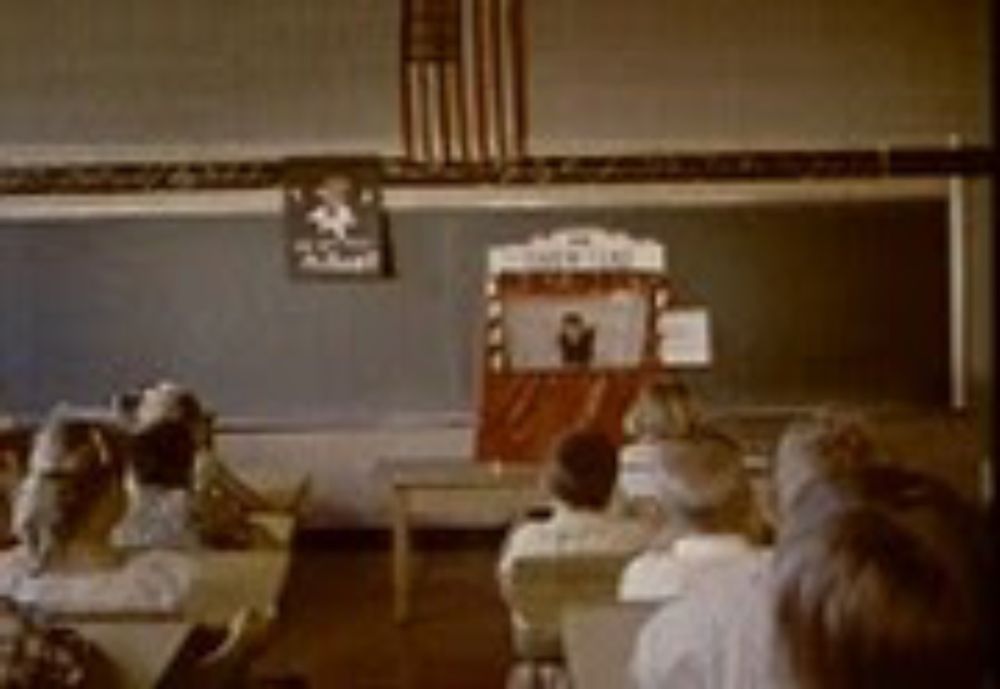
(661,417)
(711,519)
(160,512)
(167,400)
(878,579)
(182,494)
(64,512)
(580,477)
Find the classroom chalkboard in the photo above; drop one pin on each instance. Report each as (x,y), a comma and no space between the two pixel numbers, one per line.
(811,302)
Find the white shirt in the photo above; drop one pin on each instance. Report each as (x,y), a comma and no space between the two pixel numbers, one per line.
(640,469)
(665,572)
(570,531)
(718,636)
(157,518)
(148,582)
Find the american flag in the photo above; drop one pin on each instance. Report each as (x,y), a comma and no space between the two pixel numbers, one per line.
(462,81)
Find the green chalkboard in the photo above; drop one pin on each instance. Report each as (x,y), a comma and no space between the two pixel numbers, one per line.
(810,302)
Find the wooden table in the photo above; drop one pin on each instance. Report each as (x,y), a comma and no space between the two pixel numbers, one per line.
(450,490)
(142,651)
(226,581)
(598,642)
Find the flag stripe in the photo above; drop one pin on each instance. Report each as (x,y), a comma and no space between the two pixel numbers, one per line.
(498,82)
(405,83)
(479,86)
(458,90)
(444,110)
(423,98)
(518,73)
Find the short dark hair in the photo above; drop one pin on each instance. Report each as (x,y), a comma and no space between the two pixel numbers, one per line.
(125,404)
(189,408)
(164,455)
(583,469)
(884,587)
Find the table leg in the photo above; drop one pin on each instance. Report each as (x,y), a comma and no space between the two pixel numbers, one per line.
(401,556)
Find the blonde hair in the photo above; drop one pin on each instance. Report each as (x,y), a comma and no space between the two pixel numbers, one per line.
(705,487)
(662,409)
(885,586)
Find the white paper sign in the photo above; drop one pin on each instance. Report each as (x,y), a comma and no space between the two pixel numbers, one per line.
(578,250)
(685,337)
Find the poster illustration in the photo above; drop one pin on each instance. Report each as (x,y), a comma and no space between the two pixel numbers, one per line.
(335,223)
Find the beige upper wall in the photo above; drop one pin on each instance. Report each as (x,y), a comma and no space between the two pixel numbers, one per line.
(198,77)
(695,73)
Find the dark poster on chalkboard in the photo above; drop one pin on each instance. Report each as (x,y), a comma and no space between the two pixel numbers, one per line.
(334,220)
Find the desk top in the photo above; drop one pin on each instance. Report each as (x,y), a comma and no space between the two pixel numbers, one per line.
(228,581)
(598,642)
(459,473)
(225,582)
(142,652)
